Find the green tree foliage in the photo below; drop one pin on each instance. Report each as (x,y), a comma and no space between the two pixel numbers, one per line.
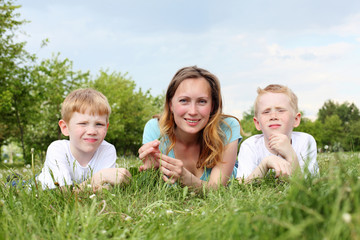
(131,109)
(52,79)
(247,123)
(15,84)
(348,117)
(347,112)
(333,132)
(315,128)
(353,138)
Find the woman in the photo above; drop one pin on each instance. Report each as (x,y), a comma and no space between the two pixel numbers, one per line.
(192,142)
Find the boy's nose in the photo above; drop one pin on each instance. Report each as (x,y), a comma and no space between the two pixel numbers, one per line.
(273,115)
(91,130)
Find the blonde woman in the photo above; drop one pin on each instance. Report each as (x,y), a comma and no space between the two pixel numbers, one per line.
(192,142)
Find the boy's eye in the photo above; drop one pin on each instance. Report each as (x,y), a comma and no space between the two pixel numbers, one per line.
(82,123)
(100,124)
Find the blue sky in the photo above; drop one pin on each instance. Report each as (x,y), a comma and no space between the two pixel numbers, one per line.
(311,46)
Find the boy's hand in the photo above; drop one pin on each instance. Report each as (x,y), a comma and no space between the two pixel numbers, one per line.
(281,166)
(147,155)
(109,176)
(281,144)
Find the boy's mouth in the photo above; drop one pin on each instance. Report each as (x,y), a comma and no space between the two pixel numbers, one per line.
(91,140)
(274,126)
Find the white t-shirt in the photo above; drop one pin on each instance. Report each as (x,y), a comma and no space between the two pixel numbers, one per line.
(61,166)
(253,151)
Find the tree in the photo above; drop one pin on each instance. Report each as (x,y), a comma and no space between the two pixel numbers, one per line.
(15,84)
(333,132)
(348,116)
(346,112)
(353,138)
(131,109)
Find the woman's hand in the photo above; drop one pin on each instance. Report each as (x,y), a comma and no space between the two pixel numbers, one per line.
(147,155)
(174,170)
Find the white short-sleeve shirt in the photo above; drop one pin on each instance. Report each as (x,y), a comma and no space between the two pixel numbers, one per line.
(253,151)
(60,165)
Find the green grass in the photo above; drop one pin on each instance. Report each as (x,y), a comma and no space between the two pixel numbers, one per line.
(327,207)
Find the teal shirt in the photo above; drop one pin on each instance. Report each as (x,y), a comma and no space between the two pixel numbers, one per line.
(152,132)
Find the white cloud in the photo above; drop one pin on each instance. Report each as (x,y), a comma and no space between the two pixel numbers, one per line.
(350,27)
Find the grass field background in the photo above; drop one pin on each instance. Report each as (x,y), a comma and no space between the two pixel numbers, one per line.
(324,207)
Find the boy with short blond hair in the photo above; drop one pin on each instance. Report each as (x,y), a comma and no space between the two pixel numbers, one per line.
(278,147)
(86,155)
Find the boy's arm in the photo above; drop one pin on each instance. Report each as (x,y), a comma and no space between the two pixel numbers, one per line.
(55,172)
(308,154)
(112,176)
(281,167)
(247,159)
(281,144)
(105,177)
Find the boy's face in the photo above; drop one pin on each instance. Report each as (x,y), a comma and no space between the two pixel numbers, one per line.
(275,115)
(86,132)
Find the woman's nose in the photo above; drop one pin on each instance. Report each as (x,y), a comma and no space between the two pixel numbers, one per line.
(192,108)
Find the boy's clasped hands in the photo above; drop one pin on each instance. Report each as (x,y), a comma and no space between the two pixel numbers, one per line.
(284,162)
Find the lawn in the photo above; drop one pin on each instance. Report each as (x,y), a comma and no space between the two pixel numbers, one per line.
(325,207)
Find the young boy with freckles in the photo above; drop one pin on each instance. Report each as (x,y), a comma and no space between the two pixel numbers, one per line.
(86,158)
(278,147)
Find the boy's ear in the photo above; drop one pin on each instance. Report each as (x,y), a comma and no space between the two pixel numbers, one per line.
(64,128)
(257,124)
(297,120)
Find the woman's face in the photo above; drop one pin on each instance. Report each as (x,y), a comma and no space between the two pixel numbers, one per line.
(191,105)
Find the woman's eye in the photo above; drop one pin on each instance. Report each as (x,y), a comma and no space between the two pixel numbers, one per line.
(203,101)
(182,100)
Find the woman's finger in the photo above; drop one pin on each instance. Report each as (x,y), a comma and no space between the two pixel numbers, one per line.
(167,159)
(169,179)
(150,145)
(147,152)
(170,173)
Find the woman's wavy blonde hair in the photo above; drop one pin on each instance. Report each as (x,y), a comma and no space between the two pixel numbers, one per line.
(212,142)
